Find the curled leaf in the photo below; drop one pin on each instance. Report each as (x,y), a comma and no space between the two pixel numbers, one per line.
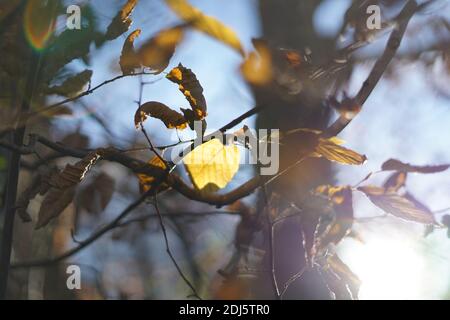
(334,152)
(397,165)
(209,25)
(171,118)
(121,22)
(257,67)
(191,88)
(212,163)
(157,52)
(397,205)
(129,61)
(71,86)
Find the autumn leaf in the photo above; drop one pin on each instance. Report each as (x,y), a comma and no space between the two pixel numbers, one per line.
(397,205)
(171,118)
(95,197)
(62,188)
(147,182)
(129,61)
(393,164)
(157,52)
(257,67)
(329,149)
(191,89)
(212,163)
(395,181)
(206,24)
(122,21)
(71,86)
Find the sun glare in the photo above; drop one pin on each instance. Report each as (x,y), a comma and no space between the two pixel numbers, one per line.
(388,269)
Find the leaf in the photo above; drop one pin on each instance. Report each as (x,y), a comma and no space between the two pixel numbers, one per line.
(171,118)
(334,152)
(62,188)
(396,181)
(206,24)
(397,165)
(191,88)
(121,22)
(129,60)
(397,205)
(146,182)
(212,163)
(71,86)
(257,67)
(157,52)
(95,197)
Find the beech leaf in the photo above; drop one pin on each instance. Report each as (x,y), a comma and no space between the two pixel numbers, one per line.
(129,61)
(122,21)
(334,152)
(146,182)
(171,118)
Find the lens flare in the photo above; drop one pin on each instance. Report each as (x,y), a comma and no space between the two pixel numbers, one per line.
(39,22)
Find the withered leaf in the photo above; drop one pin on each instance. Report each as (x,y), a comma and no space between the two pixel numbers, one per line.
(121,22)
(395,181)
(397,165)
(209,25)
(171,118)
(157,52)
(146,182)
(334,152)
(95,197)
(397,205)
(191,88)
(129,60)
(71,86)
(62,188)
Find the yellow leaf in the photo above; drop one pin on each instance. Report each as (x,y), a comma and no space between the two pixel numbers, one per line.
(121,22)
(146,182)
(157,51)
(334,152)
(212,163)
(257,67)
(206,24)
(128,59)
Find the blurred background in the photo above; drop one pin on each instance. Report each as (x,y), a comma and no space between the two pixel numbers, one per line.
(406,117)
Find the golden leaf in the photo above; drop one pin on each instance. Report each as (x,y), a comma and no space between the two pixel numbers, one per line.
(212,163)
(257,67)
(157,52)
(121,22)
(209,25)
(191,89)
(397,205)
(146,182)
(129,59)
(171,118)
(334,152)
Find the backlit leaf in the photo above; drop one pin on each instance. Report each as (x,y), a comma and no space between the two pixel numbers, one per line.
(129,61)
(395,181)
(71,86)
(147,182)
(191,88)
(334,152)
(397,165)
(171,118)
(397,205)
(212,163)
(206,24)
(121,22)
(157,52)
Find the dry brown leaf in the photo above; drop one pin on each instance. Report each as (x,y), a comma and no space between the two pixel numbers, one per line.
(146,182)
(71,86)
(334,152)
(62,188)
(157,52)
(395,181)
(121,22)
(209,25)
(397,165)
(191,89)
(257,67)
(95,197)
(129,61)
(397,205)
(171,118)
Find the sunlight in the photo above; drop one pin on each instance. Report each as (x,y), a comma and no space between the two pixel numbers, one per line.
(388,268)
